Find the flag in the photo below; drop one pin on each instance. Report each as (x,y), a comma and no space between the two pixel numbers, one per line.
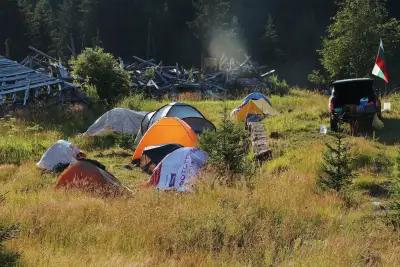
(380,69)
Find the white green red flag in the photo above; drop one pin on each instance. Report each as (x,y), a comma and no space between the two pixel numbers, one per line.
(380,69)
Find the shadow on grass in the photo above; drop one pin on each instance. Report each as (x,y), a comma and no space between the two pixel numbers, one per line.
(390,134)
(376,190)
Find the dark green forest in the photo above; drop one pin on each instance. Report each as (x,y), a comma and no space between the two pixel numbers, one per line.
(283,34)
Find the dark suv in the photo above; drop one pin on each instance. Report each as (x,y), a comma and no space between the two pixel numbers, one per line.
(353,101)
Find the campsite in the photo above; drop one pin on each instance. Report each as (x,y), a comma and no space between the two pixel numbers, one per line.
(210,133)
(181,229)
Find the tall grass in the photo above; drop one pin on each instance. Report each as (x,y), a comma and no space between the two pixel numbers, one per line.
(284,220)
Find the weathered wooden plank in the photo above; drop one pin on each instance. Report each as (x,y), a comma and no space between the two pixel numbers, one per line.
(3,75)
(19,87)
(259,141)
(27,76)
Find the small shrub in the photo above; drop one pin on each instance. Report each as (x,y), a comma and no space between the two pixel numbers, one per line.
(125,141)
(102,71)
(133,101)
(279,87)
(227,148)
(91,91)
(381,164)
(150,73)
(336,171)
(318,79)
(376,163)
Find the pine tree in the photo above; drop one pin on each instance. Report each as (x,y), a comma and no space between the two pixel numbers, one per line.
(41,25)
(336,172)
(270,39)
(212,16)
(90,33)
(66,35)
(227,148)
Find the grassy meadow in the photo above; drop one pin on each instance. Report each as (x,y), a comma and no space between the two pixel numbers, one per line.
(284,219)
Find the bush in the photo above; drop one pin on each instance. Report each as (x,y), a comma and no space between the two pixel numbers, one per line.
(134,101)
(91,92)
(279,87)
(318,79)
(101,70)
(227,148)
(336,172)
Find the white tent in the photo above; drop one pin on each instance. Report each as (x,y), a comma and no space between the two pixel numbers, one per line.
(117,120)
(62,152)
(178,170)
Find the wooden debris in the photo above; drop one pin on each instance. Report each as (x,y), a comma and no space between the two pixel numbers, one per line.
(19,83)
(158,79)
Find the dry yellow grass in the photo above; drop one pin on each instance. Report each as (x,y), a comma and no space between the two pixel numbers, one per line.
(284,221)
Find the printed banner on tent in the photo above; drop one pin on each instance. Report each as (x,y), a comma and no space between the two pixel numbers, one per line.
(178,169)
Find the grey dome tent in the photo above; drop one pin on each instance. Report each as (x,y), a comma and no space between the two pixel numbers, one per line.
(117,120)
(182,111)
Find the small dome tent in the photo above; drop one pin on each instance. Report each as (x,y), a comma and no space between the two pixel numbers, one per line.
(175,109)
(253,104)
(88,176)
(178,170)
(178,110)
(166,131)
(62,152)
(120,120)
(257,96)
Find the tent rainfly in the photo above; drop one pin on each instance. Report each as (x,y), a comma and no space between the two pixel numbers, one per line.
(166,131)
(62,152)
(116,120)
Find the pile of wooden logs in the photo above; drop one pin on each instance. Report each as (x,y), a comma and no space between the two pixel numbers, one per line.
(157,79)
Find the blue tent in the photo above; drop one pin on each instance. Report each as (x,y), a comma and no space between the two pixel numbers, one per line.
(256,96)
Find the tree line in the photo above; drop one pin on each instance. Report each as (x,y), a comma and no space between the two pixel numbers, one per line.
(282,34)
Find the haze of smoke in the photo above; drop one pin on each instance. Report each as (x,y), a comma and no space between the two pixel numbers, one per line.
(227,43)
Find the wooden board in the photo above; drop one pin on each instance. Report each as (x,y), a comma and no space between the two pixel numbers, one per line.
(259,141)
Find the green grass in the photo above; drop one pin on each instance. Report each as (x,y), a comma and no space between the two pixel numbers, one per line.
(285,220)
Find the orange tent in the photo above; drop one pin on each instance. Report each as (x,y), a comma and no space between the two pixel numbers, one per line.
(168,130)
(86,175)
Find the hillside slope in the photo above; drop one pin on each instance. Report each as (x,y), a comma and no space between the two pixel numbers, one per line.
(283,219)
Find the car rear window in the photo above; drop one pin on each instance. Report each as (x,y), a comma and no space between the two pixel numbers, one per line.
(351,93)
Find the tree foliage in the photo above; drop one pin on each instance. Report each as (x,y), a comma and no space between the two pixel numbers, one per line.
(270,40)
(210,15)
(336,172)
(352,39)
(101,70)
(178,31)
(226,147)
